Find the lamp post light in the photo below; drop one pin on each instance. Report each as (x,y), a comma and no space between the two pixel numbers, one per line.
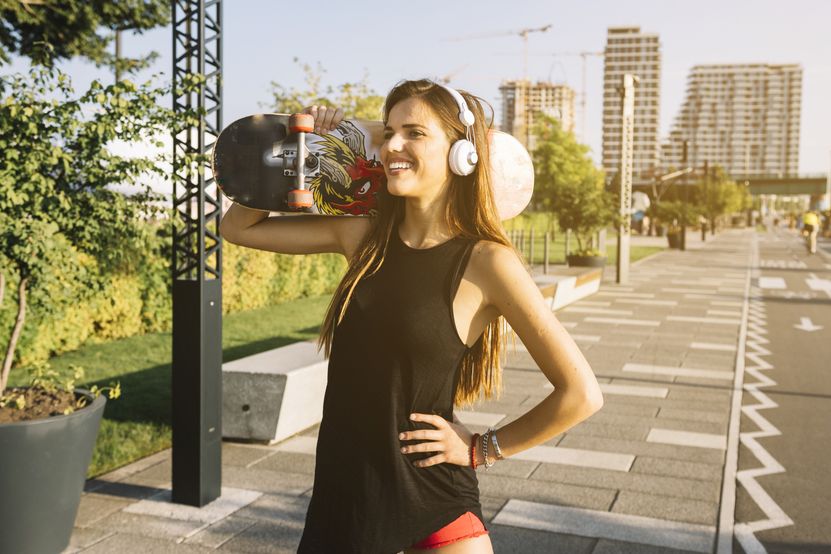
(627,94)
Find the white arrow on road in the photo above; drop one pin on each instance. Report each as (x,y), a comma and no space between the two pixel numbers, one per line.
(807,325)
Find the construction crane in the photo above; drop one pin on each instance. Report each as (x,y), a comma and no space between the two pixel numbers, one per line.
(522,33)
(583,55)
(447,78)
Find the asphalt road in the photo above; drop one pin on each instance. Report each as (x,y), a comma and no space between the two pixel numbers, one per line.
(791,308)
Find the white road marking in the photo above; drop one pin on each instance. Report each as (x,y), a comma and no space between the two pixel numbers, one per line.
(589,310)
(619,321)
(577,457)
(687,438)
(713,346)
(645,302)
(774,514)
(772,283)
(783,264)
(626,294)
(709,320)
(805,324)
(606,525)
(729,303)
(634,390)
(594,303)
(678,371)
(819,284)
(688,291)
(731,313)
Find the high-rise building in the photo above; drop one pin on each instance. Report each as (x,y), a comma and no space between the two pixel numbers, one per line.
(628,50)
(744,118)
(522,101)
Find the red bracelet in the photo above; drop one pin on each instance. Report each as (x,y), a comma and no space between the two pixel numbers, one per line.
(473,449)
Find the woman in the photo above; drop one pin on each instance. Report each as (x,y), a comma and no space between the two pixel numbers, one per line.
(415,328)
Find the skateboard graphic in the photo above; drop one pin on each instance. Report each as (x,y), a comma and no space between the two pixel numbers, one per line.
(275,162)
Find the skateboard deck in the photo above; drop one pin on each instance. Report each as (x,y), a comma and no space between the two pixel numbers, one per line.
(254,163)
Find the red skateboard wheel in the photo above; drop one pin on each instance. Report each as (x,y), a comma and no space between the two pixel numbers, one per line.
(301,123)
(300,198)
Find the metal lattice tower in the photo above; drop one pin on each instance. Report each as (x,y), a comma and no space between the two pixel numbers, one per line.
(197,255)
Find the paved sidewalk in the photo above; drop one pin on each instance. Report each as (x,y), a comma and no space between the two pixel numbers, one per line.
(644,474)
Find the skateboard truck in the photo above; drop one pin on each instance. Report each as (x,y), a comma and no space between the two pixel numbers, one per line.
(301,197)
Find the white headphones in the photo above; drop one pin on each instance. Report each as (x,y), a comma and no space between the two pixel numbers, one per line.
(463,155)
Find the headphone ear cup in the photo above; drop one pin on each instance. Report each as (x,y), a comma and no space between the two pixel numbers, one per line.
(462,157)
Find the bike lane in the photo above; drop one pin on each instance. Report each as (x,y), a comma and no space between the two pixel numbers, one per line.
(784,488)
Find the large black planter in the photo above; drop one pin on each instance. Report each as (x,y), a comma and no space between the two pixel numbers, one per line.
(674,239)
(573,260)
(43,467)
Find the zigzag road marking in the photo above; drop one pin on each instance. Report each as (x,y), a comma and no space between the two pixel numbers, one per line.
(776,517)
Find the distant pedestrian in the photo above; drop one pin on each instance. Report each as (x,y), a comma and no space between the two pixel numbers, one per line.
(810,228)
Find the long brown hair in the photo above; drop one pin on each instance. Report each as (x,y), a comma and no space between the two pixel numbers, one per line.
(470,212)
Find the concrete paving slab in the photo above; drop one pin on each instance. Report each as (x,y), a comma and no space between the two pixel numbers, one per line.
(516,540)
(514,467)
(148,526)
(95,506)
(577,457)
(634,390)
(606,546)
(661,507)
(240,455)
(85,538)
(597,524)
(547,491)
(291,462)
(687,438)
(160,505)
(124,543)
(490,506)
(220,532)
(660,485)
(606,430)
(269,482)
(298,444)
(719,417)
(649,369)
(678,468)
(276,537)
(641,448)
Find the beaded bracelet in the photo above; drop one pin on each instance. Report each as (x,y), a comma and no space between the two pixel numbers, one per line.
(473,450)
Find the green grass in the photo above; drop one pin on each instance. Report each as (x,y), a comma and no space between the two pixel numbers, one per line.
(138,423)
(556,249)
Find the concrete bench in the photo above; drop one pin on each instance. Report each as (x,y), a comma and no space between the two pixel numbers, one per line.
(274,394)
(568,284)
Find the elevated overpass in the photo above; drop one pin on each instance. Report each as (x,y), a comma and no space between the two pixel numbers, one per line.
(781,185)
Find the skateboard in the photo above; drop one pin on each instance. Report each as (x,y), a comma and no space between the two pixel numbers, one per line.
(274,162)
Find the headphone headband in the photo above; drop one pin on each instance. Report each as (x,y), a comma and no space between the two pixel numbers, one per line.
(465,115)
(463,157)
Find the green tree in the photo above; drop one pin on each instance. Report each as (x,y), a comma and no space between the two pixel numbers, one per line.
(357,99)
(77,28)
(568,185)
(721,196)
(55,174)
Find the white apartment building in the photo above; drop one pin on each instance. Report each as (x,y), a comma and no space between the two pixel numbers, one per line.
(743,117)
(522,100)
(628,50)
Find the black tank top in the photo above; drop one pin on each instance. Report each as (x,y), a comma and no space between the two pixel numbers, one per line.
(395,352)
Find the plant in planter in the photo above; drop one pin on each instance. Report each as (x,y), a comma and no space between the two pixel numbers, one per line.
(676,213)
(570,187)
(61,222)
(585,208)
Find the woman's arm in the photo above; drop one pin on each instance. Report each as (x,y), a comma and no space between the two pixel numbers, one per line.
(509,288)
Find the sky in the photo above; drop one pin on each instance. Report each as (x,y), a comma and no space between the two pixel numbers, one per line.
(390,41)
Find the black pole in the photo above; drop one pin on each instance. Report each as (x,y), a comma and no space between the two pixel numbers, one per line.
(196,382)
(685,199)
